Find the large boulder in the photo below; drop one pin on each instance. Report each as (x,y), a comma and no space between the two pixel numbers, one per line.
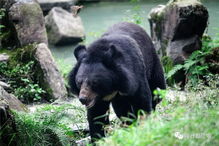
(26,18)
(49,75)
(63,28)
(47,5)
(177,28)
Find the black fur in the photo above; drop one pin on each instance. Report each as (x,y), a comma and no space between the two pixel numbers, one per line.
(124,60)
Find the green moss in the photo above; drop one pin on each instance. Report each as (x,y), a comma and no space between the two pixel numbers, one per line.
(32,11)
(157,15)
(22,55)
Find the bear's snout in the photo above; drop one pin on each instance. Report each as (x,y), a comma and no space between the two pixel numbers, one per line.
(86,96)
(83,99)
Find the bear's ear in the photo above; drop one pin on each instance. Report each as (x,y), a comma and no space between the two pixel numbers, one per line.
(80,51)
(113,52)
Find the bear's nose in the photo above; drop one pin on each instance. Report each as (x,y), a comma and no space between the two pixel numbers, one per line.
(83,100)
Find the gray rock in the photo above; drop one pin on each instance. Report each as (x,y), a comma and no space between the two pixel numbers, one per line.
(11,101)
(83,141)
(179,50)
(27,19)
(51,79)
(80,127)
(178,20)
(63,28)
(4,57)
(47,5)
(4,85)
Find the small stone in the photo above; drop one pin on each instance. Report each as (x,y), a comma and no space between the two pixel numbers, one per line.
(4,57)
(4,85)
(84,141)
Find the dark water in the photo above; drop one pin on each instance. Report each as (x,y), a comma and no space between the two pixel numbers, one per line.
(97,17)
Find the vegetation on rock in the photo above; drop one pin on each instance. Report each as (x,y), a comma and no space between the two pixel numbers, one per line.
(19,73)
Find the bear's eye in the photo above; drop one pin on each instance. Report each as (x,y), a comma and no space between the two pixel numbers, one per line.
(78,83)
(94,83)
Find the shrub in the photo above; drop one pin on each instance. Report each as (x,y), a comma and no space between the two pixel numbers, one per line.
(19,72)
(21,80)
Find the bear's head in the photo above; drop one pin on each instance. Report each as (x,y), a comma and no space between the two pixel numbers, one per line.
(102,71)
(94,77)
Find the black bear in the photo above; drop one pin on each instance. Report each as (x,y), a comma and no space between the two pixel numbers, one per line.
(122,68)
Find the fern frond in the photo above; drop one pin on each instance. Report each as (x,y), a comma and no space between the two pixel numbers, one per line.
(174,70)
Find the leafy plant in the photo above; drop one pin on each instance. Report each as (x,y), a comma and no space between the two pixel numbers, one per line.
(20,78)
(167,66)
(135,16)
(30,91)
(20,73)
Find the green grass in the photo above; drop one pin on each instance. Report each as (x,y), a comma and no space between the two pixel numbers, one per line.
(48,125)
(183,118)
(187,117)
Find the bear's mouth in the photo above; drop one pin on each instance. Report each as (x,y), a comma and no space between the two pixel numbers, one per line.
(90,104)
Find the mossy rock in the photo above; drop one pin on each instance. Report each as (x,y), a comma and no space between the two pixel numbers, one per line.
(27,19)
